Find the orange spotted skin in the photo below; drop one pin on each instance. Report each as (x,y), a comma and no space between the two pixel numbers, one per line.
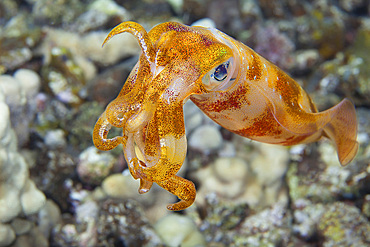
(258,123)
(229,82)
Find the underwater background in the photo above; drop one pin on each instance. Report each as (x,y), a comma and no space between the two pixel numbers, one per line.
(57,189)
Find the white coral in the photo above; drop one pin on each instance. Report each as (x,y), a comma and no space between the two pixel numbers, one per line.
(18,194)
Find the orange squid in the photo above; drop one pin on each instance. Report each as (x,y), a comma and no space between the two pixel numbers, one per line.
(229,82)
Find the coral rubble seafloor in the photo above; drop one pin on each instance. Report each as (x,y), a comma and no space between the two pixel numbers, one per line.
(57,189)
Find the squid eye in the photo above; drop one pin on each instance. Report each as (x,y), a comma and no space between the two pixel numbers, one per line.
(217,77)
(220,73)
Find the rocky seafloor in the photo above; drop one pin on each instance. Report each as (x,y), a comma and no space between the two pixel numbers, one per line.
(57,189)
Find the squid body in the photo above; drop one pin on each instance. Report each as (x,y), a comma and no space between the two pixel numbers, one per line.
(228,81)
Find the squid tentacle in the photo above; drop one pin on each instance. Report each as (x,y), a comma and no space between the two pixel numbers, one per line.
(139,32)
(100,135)
(182,188)
(133,162)
(117,113)
(171,149)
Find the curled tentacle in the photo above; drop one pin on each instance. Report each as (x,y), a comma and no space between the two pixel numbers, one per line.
(170,146)
(100,134)
(130,155)
(145,186)
(117,113)
(140,120)
(168,164)
(133,162)
(182,188)
(139,32)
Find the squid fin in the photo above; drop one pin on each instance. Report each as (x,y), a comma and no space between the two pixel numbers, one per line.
(342,130)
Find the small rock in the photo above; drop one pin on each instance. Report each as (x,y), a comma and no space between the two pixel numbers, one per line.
(230,169)
(275,46)
(328,154)
(87,211)
(9,203)
(49,216)
(87,45)
(206,138)
(307,59)
(306,218)
(29,80)
(271,164)
(125,224)
(12,90)
(7,235)
(205,22)
(4,123)
(32,199)
(270,227)
(94,165)
(227,177)
(120,186)
(253,193)
(228,150)
(334,222)
(35,238)
(337,227)
(55,139)
(176,5)
(178,230)
(19,92)
(220,221)
(366,206)
(21,226)
(110,7)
